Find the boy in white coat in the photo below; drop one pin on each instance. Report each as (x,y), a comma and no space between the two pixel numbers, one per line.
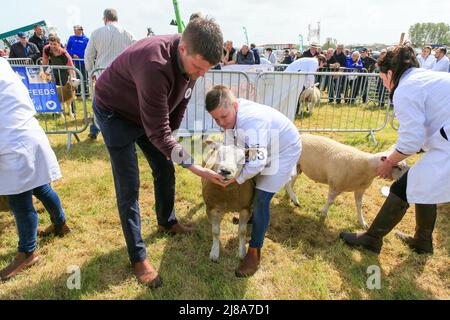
(273,146)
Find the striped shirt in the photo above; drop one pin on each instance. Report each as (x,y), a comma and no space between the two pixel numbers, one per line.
(105,45)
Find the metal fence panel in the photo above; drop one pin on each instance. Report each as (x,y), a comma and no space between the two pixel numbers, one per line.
(196,118)
(20,61)
(344,104)
(73,119)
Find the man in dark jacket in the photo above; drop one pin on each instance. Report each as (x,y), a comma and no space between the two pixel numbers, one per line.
(39,39)
(24,49)
(245,56)
(369,64)
(255,53)
(368,61)
(141,99)
(312,51)
(338,60)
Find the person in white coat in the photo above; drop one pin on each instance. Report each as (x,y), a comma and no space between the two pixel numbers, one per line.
(274,147)
(442,62)
(422,105)
(27,166)
(426,59)
(309,65)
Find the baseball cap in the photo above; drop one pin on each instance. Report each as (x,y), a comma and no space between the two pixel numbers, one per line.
(21,35)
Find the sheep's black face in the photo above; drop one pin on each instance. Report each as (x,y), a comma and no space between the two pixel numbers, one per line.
(227,161)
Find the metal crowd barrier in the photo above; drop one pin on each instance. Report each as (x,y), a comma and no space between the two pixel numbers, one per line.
(350,101)
(196,118)
(73,118)
(20,61)
(353,111)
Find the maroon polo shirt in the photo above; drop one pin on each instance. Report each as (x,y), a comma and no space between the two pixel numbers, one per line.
(147,86)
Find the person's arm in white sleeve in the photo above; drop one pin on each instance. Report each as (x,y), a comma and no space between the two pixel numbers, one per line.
(410,111)
(90,55)
(258,141)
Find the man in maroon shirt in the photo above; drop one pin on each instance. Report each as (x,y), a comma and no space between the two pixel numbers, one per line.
(141,99)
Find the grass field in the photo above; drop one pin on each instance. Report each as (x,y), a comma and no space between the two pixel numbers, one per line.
(302,257)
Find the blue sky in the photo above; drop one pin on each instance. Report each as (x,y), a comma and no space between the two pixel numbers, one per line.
(348,21)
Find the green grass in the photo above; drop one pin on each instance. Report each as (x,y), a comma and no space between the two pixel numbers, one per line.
(302,257)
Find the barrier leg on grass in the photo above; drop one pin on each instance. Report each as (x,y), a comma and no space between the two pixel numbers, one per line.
(372,135)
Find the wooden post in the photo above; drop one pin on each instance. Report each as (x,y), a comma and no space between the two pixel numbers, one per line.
(402,38)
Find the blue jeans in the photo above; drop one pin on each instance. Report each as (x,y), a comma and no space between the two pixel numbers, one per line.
(261,217)
(27,218)
(93,129)
(336,85)
(121,136)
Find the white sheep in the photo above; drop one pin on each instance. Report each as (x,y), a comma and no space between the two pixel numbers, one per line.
(343,168)
(310,96)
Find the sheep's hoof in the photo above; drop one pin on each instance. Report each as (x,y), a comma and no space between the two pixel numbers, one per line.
(364,225)
(322,213)
(214,257)
(236,220)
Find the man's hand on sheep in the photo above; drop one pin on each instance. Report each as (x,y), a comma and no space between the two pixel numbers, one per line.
(209,175)
(227,183)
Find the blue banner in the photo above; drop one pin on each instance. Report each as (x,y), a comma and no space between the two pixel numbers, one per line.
(42,90)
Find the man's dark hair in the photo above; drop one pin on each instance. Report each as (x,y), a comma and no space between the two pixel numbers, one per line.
(111,15)
(218,96)
(253,46)
(269,49)
(203,36)
(443,50)
(36,25)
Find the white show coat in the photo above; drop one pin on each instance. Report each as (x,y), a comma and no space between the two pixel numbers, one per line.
(442,65)
(422,106)
(26,159)
(309,65)
(427,63)
(273,142)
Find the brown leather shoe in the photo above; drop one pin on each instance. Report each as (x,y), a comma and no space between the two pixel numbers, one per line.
(21,262)
(250,264)
(177,228)
(146,274)
(59,230)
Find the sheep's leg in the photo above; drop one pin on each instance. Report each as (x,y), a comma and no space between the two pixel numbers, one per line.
(358,201)
(215,223)
(244,216)
(332,194)
(290,190)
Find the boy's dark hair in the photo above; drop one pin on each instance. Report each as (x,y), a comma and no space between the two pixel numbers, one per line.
(203,36)
(218,96)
